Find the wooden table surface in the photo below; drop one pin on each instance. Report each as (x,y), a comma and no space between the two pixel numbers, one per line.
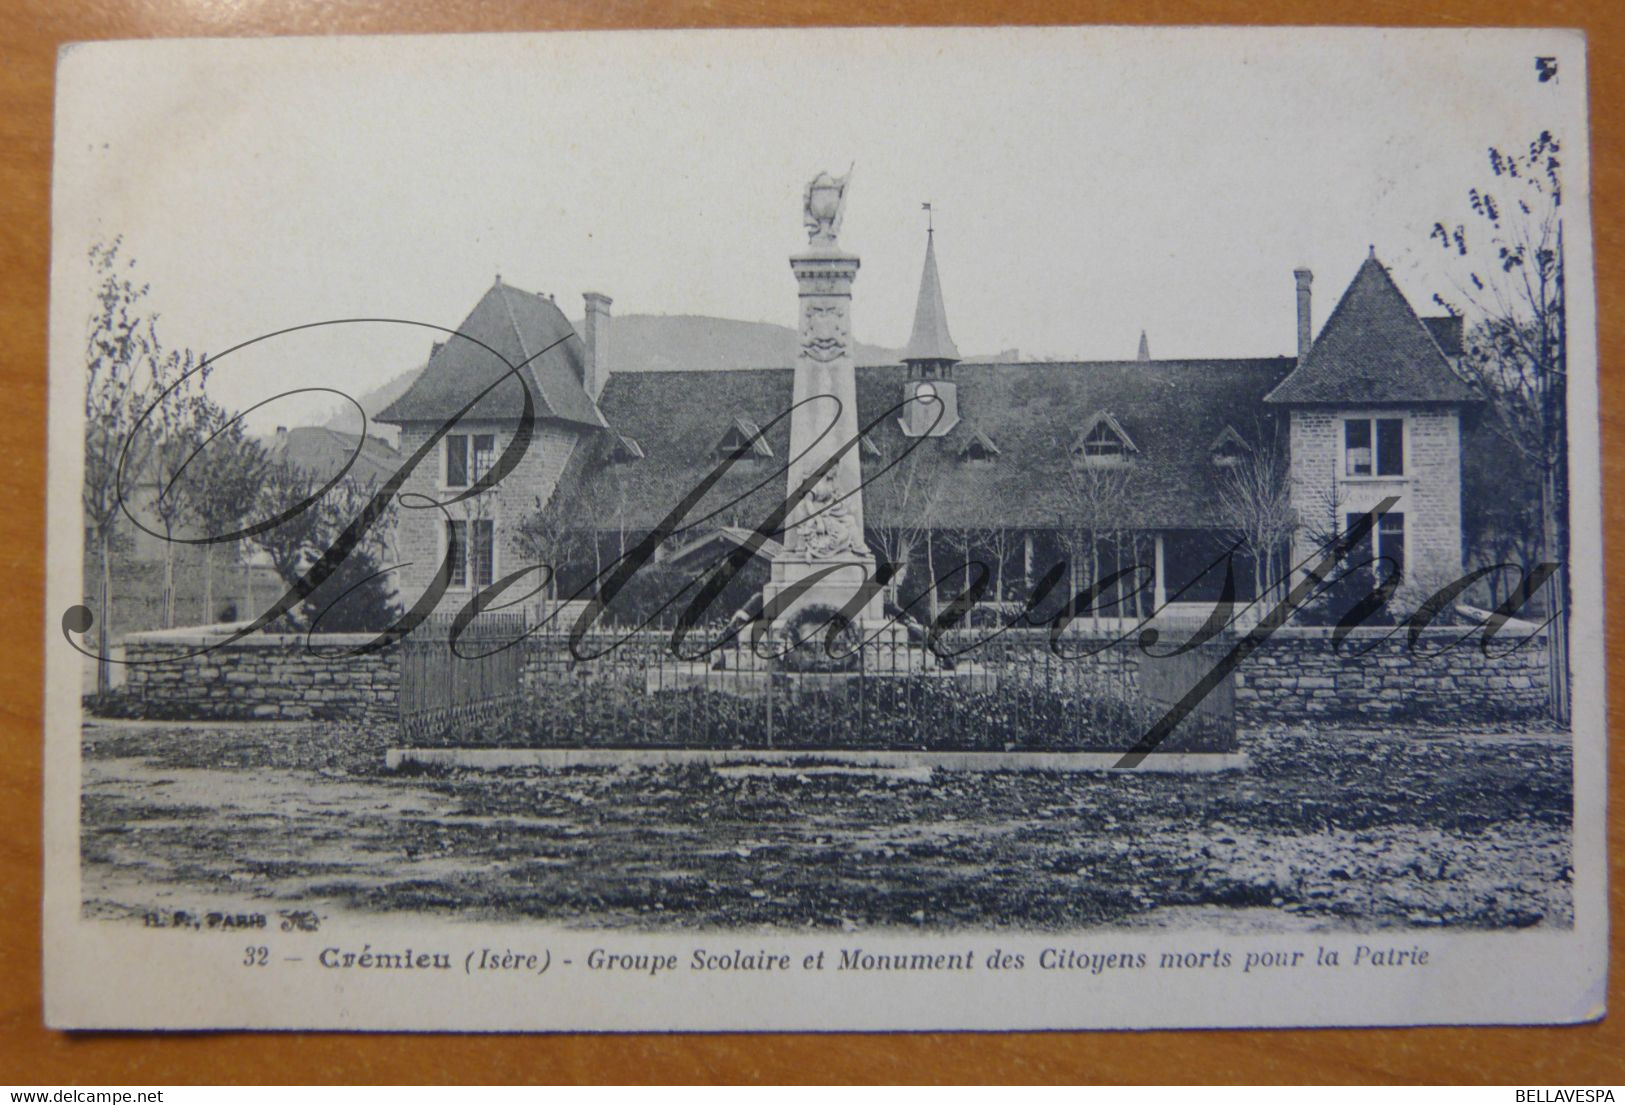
(31,31)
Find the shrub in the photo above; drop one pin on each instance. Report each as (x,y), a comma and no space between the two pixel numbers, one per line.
(828,711)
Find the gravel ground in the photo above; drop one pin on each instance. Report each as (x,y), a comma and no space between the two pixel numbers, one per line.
(1322,831)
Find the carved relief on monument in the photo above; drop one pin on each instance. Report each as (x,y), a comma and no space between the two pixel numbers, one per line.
(829,528)
(823,332)
(833,282)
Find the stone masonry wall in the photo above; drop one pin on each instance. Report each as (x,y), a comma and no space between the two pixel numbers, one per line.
(1376,676)
(420,533)
(1429,492)
(271,676)
(1294,677)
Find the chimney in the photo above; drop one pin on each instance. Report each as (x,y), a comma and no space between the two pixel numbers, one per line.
(596,339)
(1306,334)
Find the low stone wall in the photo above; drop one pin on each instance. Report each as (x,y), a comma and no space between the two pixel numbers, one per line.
(1377,675)
(286,677)
(1374,675)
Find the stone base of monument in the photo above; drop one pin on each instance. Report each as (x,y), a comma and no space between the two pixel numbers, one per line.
(765,681)
(835,583)
(887,652)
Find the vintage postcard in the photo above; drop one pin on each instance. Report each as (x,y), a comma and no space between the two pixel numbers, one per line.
(543,535)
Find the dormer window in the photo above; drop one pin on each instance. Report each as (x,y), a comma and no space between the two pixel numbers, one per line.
(1228,449)
(978,449)
(1103,442)
(868,449)
(624,450)
(743,440)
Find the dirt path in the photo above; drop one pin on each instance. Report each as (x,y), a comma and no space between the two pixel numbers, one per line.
(1345,831)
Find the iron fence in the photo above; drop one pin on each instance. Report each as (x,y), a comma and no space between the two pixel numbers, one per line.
(633,690)
(473,682)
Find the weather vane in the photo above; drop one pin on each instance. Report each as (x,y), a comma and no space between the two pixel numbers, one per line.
(928,228)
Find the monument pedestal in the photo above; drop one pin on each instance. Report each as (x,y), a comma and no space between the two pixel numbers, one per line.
(846,574)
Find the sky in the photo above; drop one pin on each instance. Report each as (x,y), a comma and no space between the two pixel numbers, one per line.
(1087,184)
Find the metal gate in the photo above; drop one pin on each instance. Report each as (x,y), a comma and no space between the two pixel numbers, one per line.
(479,682)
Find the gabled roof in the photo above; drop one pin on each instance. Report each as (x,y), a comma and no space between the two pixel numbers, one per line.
(977,442)
(744,434)
(1373,349)
(517,325)
(1094,421)
(1229,438)
(1032,410)
(323,453)
(930,340)
(625,448)
(723,539)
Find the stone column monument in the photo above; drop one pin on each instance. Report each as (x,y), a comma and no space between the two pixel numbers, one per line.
(824,533)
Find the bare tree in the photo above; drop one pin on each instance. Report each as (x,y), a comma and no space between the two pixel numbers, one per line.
(1255,497)
(551,533)
(1511,250)
(997,542)
(293,544)
(122,361)
(1098,506)
(316,518)
(226,475)
(906,498)
(173,421)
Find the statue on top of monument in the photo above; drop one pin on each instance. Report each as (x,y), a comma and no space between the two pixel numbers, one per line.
(823,202)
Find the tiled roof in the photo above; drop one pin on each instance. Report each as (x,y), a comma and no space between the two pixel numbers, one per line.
(516,325)
(1033,411)
(323,453)
(1373,349)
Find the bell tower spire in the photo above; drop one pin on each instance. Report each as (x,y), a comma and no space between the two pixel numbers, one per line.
(930,341)
(931,405)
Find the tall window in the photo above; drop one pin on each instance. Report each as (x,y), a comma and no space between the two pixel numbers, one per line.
(1384,545)
(476,561)
(456,460)
(1374,447)
(457,552)
(469,458)
(485,453)
(482,562)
